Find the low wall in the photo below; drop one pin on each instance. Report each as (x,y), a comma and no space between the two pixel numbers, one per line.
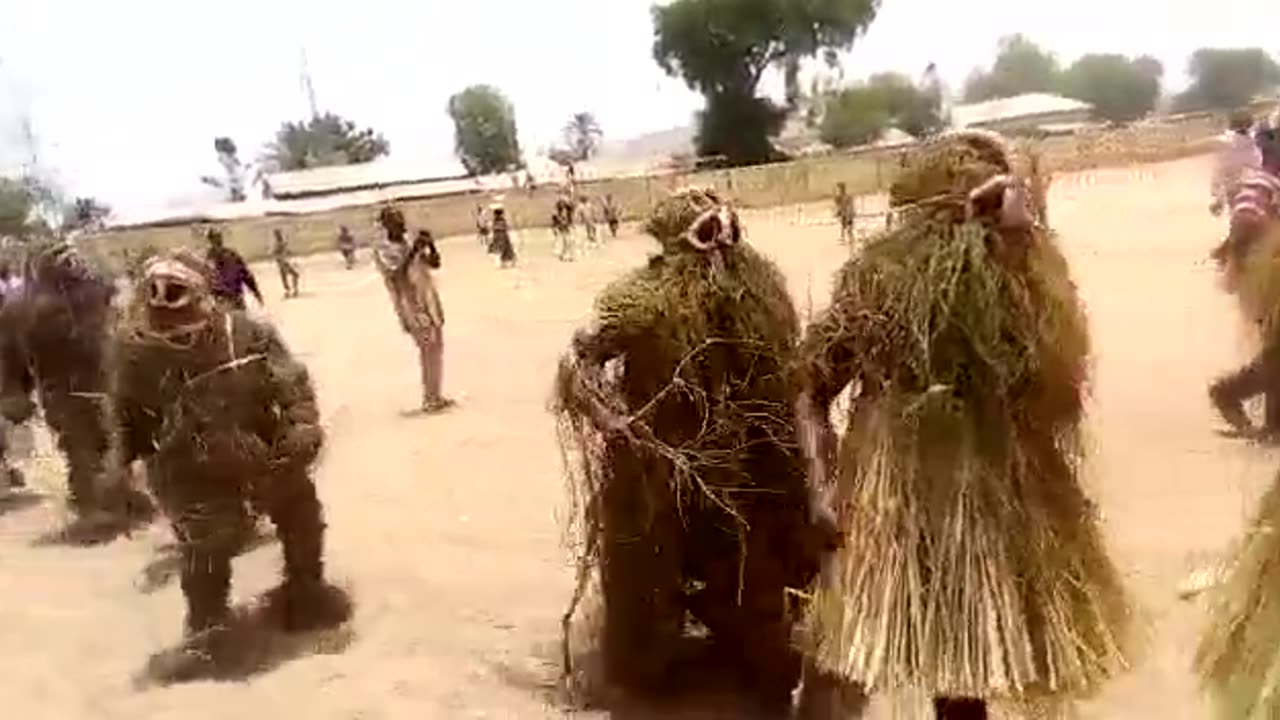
(799,181)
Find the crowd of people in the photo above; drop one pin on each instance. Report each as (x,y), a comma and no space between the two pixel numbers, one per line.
(942,543)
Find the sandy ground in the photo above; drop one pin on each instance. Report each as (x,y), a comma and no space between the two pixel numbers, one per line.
(448,528)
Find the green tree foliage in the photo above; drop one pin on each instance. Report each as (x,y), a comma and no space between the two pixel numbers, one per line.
(860,114)
(17,208)
(853,116)
(581,136)
(322,141)
(1021,66)
(1227,78)
(912,108)
(1119,88)
(722,48)
(485,137)
(85,213)
(26,206)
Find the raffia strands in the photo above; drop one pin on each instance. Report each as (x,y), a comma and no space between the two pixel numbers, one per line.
(1239,654)
(1257,284)
(973,563)
(706,340)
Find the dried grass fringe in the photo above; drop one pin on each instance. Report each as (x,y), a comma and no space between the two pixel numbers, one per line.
(973,564)
(695,312)
(1256,284)
(1239,655)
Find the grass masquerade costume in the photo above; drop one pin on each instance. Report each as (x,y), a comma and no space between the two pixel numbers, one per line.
(690,492)
(1239,654)
(54,337)
(972,566)
(227,422)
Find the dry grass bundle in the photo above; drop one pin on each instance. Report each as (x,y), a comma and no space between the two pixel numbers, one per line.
(1239,654)
(706,442)
(1256,282)
(973,564)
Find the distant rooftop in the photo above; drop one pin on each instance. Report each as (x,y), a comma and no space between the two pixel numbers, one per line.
(380,173)
(1018,106)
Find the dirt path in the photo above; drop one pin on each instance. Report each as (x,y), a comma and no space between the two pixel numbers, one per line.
(448,528)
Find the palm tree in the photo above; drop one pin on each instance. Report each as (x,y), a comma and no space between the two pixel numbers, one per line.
(582,136)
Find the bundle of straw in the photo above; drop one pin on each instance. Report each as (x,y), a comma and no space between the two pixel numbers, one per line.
(1239,654)
(1256,283)
(973,564)
(705,447)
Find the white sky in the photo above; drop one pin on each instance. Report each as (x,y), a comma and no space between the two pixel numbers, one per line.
(126,96)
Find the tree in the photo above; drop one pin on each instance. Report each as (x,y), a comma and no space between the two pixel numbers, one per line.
(85,213)
(860,114)
(1021,66)
(322,141)
(26,206)
(485,138)
(1120,89)
(233,170)
(853,116)
(913,109)
(1227,78)
(722,48)
(17,208)
(582,136)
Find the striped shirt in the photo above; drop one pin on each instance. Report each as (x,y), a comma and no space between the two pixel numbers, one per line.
(1237,154)
(1257,196)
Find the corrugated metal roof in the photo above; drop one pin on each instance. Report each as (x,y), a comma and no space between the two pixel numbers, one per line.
(227,211)
(1014,107)
(379,173)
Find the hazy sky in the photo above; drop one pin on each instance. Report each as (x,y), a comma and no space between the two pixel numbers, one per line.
(125,96)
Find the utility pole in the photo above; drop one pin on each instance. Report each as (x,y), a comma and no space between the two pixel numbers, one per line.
(307,86)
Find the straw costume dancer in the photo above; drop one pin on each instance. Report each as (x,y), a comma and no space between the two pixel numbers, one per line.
(1239,655)
(226,420)
(562,226)
(972,567)
(1250,262)
(612,215)
(53,346)
(687,479)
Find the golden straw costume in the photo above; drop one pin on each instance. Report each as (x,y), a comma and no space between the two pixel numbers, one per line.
(973,567)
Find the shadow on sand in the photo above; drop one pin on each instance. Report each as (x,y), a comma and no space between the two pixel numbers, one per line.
(19,500)
(252,644)
(702,688)
(166,565)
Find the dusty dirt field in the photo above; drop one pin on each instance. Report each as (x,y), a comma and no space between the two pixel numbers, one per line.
(448,528)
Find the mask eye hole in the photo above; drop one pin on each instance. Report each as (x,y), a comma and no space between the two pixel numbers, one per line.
(174,293)
(709,230)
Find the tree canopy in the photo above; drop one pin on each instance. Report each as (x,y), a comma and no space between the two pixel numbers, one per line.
(1227,78)
(485,138)
(1120,89)
(722,49)
(85,213)
(859,114)
(31,207)
(17,208)
(581,136)
(321,141)
(1021,66)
